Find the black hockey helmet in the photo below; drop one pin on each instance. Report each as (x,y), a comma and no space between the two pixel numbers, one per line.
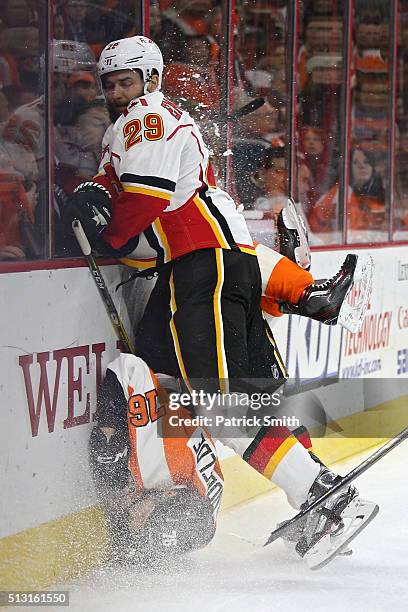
(164,524)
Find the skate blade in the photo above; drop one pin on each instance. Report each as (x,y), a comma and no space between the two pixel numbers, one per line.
(351,315)
(345,552)
(294,221)
(324,551)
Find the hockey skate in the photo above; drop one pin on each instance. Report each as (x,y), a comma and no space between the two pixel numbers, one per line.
(292,236)
(352,314)
(326,532)
(326,301)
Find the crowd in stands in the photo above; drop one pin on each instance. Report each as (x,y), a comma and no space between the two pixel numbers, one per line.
(191,36)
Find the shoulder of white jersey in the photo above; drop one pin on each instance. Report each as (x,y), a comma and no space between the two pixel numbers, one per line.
(156,103)
(108,135)
(133,374)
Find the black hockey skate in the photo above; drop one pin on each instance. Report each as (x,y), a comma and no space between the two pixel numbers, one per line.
(326,532)
(323,300)
(292,236)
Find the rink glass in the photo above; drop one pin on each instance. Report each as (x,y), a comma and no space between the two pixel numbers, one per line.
(332,133)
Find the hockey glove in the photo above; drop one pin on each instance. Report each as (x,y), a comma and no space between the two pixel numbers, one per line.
(91,205)
(108,460)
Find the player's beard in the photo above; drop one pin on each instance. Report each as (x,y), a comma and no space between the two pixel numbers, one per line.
(114,111)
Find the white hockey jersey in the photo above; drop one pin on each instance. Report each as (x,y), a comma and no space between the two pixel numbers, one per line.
(156,152)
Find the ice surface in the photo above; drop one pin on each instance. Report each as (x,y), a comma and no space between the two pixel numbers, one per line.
(236,574)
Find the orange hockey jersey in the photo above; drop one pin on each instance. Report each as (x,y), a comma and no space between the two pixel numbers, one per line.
(166,449)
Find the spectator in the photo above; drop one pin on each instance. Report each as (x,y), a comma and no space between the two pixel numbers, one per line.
(74,15)
(195,78)
(17,96)
(323,39)
(365,195)
(248,156)
(275,65)
(305,182)
(260,174)
(16,211)
(23,135)
(271,179)
(19,58)
(315,156)
(82,86)
(108,20)
(16,13)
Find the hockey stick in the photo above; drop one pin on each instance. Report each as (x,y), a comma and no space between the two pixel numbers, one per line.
(252,106)
(100,283)
(344,481)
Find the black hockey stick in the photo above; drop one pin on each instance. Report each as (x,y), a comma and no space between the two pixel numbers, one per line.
(100,283)
(252,106)
(360,469)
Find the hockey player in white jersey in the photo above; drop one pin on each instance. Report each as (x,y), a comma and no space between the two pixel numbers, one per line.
(203,320)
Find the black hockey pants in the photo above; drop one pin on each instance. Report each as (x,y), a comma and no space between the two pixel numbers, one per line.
(203,322)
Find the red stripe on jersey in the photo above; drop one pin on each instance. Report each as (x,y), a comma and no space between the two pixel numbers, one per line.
(247,246)
(132,214)
(209,175)
(269,444)
(198,143)
(177,129)
(143,102)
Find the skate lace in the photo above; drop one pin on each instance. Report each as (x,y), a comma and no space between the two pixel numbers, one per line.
(326,283)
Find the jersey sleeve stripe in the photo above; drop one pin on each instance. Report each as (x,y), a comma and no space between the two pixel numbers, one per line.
(246,248)
(149,181)
(153,193)
(144,264)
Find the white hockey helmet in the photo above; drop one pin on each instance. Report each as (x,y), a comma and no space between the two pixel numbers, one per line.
(133,53)
(69,56)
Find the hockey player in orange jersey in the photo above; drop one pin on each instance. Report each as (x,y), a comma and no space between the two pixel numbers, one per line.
(161,482)
(203,321)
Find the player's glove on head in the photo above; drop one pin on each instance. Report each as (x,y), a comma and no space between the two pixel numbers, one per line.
(91,204)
